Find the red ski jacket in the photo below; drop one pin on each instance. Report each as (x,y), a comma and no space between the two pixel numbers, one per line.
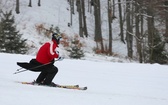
(47,52)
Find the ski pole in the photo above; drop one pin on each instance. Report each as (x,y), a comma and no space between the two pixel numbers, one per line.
(20,71)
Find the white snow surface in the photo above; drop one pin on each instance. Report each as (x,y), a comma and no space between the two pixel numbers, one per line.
(108,83)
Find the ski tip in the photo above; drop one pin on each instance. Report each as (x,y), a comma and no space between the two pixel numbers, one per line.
(85,88)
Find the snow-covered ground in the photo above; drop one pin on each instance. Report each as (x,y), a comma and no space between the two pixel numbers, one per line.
(108,83)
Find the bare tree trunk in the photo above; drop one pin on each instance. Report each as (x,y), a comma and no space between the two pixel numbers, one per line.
(71,11)
(121,21)
(150,23)
(0,7)
(113,9)
(17,7)
(39,2)
(84,19)
(110,15)
(166,19)
(30,3)
(166,34)
(92,4)
(98,31)
(79,9)
(129,37)
(142,32)
(137,31)
(73,6)
(89,5)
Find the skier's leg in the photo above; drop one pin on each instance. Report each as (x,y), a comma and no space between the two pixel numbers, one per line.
(50,75)
(41,76)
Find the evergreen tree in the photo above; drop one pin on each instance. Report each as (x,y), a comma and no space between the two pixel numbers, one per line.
(75,49)
(159,54)
(10,38)
(158,49)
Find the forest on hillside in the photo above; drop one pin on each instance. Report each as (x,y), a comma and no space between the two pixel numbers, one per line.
(143,24)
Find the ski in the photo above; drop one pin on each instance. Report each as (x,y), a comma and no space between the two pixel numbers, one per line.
(75,87)
(72,87)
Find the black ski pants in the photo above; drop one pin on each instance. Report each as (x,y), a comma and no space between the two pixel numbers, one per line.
(47,74)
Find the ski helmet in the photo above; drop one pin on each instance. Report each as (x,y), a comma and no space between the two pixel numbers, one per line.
(56,37)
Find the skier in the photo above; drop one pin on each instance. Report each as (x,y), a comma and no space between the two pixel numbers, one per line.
(44,61)
(46,54)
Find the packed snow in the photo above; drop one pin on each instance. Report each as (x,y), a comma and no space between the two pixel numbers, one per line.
(108,83)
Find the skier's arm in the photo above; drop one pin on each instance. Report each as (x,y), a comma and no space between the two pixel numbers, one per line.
(51,51)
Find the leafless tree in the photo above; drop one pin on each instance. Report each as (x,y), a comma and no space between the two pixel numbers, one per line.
(98,30)
(137,29)
(17,7)
(30,3)
(129,29)
(84,19)
(121,21)
(79,9)
(110,15)
(39,2)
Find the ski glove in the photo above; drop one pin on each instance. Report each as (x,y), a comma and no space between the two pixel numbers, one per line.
(60,58)
(57,52)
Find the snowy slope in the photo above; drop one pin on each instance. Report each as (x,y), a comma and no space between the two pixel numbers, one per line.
(108,83)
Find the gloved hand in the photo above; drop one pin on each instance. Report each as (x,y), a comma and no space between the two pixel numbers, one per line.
(57,52)
(60,58)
